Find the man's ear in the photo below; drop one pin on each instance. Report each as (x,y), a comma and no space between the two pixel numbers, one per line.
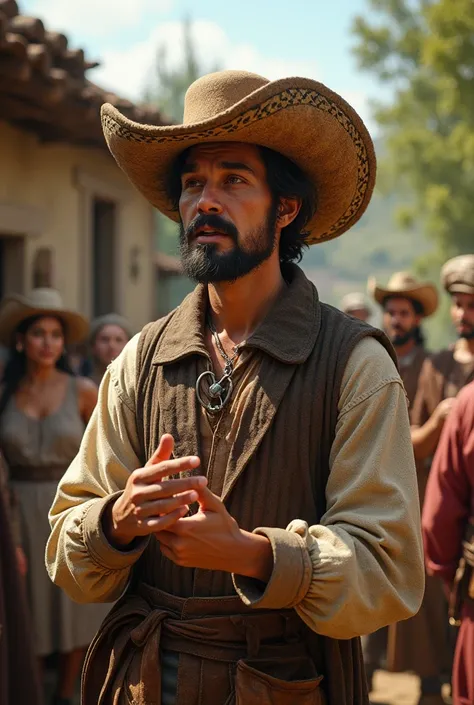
(288,209)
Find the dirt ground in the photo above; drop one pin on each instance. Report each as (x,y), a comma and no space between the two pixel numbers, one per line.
(397,689)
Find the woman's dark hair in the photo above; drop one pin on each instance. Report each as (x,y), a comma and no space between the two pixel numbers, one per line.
(285,180)
(15,368)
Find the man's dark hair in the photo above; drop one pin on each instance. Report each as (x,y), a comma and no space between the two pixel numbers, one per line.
(417,306)
(285,180)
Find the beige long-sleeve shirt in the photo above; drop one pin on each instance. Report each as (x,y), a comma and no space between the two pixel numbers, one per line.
(359,569)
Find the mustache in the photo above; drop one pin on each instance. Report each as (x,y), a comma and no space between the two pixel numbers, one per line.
(216,222)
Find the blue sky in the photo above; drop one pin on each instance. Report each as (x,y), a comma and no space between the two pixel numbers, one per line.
(273,37)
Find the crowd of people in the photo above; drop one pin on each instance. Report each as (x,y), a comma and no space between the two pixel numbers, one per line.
(237,504)
(47,397)
(425,643)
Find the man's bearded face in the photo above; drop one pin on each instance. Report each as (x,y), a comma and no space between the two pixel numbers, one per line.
(462,315)
(400,320)
(205,263)
(228,217)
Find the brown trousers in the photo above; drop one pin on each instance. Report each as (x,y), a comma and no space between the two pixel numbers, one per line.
(228,656)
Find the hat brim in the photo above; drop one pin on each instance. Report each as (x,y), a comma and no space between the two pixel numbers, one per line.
(300,118)
(425,294)
(460,288)
(14,311)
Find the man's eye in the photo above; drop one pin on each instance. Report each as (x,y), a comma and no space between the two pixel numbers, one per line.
(191,183)
(235,180)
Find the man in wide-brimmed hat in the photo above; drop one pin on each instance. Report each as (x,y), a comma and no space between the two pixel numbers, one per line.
(248,478)
(418,644)
(405,302)
(355,305)
(421,643)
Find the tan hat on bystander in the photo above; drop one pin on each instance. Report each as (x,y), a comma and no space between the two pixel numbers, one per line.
(15,309)
(457,275)
(405,285)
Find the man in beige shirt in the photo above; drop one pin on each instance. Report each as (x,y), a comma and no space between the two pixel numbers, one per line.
(247,483)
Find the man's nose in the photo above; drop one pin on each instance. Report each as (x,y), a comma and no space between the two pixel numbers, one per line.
(209,201)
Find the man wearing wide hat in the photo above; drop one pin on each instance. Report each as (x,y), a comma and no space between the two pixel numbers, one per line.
(355,305)
(422,643)
(405,302)
(247,478)
(418,644)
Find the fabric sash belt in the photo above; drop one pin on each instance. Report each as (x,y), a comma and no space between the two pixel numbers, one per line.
(123,661)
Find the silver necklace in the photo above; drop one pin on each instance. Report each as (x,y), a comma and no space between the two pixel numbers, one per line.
(214,394)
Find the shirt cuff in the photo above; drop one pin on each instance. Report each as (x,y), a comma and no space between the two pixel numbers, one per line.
(290,578)
(97,544)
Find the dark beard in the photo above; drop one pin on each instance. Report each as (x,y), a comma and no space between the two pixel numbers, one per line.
(206,265)
(469,335)
(398,340)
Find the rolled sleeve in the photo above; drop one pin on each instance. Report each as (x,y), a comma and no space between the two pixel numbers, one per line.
(97,544)
(290,579)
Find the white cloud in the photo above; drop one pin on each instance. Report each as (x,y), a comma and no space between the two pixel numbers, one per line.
(127,72)
(95,18)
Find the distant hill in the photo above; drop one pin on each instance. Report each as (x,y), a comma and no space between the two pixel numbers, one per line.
(376,245)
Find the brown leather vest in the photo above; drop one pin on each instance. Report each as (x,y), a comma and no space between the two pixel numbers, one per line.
(279,464)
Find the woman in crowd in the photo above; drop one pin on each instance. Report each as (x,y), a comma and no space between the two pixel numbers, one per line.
(18,671)
(108,336)
(43,413)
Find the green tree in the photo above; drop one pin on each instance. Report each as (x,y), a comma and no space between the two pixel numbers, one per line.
(423,50)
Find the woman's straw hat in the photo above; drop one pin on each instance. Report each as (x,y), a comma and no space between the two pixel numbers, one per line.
(15,309)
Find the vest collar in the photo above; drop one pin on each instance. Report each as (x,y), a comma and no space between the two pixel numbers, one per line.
(288,333)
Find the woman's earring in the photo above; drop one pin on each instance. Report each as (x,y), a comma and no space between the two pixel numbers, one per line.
(19,347)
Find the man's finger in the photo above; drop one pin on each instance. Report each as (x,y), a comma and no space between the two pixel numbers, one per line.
(155,524)
(165,506)
(166,468)
(164,450)
(210,502)
(168,488)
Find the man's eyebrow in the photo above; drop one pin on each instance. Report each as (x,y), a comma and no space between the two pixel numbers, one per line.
(238,166)
(189,168)
(192,168)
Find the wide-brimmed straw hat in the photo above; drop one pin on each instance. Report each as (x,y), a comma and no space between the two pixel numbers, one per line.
(15,309)
(457,275)
(298,117)
(406,286)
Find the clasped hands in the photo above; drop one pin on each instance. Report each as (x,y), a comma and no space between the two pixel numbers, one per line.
(210,539)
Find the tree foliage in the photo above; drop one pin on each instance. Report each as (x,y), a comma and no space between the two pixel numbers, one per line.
(423,50)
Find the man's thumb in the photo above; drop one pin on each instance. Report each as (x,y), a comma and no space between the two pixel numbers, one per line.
(208,501)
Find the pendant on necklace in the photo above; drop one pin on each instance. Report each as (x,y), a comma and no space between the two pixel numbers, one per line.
(213,394)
